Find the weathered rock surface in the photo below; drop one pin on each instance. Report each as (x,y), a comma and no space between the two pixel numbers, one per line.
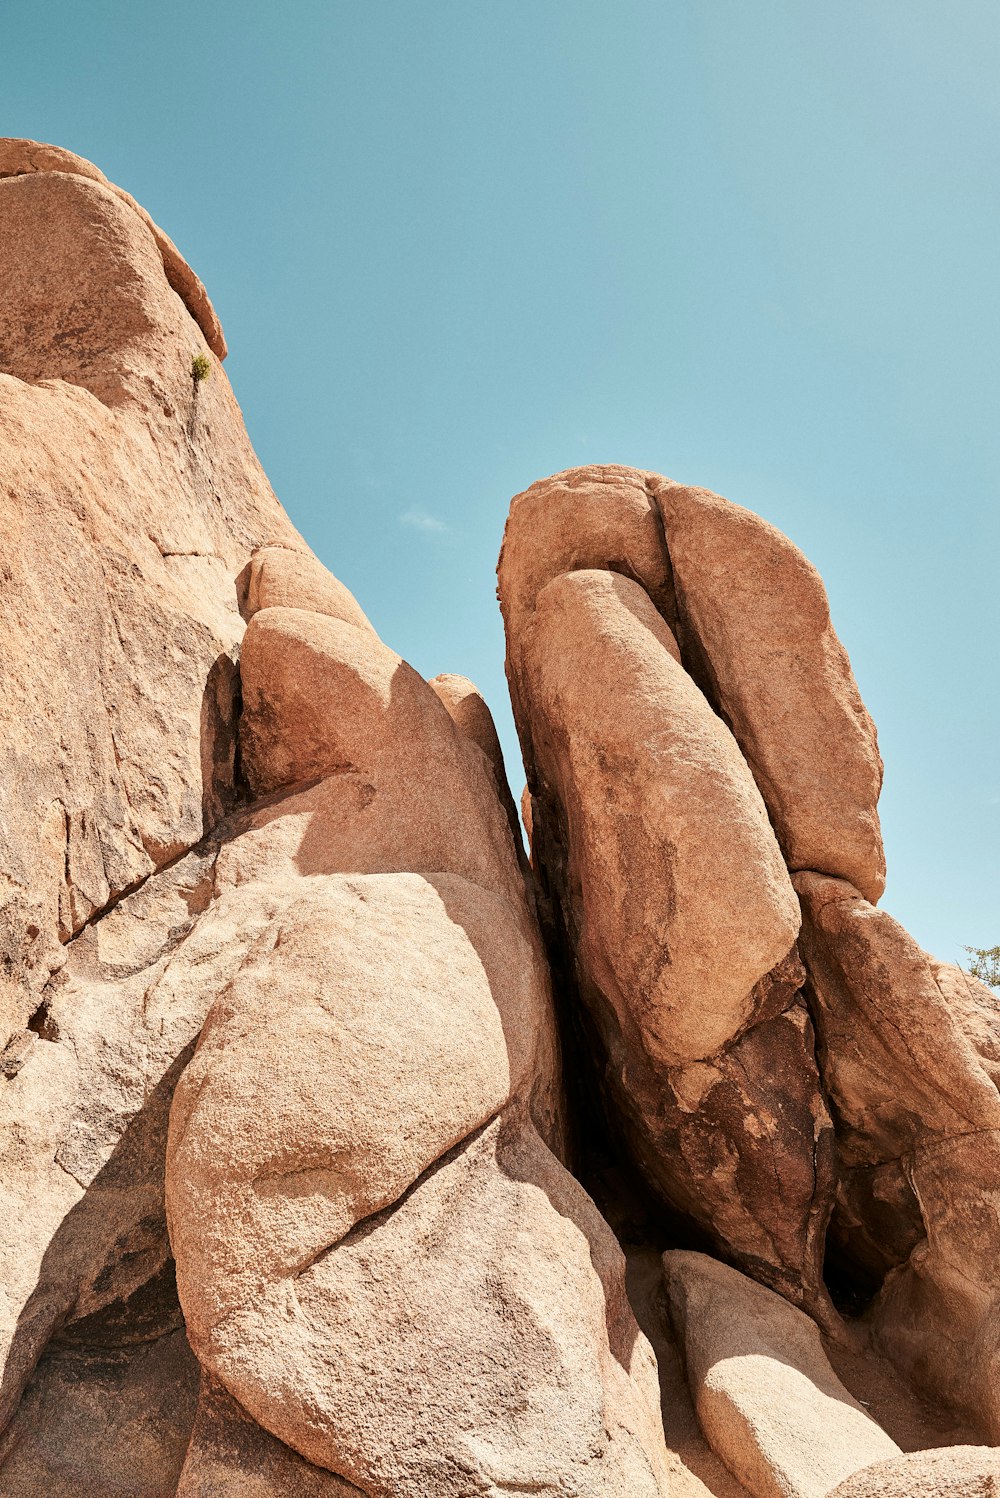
(952,1472)
(297,1053)
(670,892)
(912,1064)
(766,1396)
(132,499)
(230,1456)
(754,623)
(362,1141)
(668,838)
(282,578)
(111,1422)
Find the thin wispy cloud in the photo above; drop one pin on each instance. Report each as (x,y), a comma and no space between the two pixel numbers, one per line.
(420,520)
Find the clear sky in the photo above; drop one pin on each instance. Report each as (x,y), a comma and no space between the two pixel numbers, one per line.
(457,245)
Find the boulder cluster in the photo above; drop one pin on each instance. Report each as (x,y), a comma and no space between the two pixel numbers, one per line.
(346,1148)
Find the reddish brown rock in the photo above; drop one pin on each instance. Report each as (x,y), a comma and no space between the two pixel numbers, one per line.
(912,1061)
(680,900)
(754,624)
(679,916)
(579,520)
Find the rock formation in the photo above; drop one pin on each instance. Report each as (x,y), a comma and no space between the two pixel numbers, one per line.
(318,1104)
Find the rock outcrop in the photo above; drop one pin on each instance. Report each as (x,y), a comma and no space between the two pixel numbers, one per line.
(294,922)
(310,1086)
(694,744)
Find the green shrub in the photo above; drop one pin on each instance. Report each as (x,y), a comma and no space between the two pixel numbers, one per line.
(201,368)
(985,964)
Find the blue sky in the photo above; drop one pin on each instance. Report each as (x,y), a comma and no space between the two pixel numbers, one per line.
(459,245)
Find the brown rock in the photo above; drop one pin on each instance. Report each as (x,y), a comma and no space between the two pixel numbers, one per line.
(679,914)
(579,520)
(374,1033)
(381,868)
(283,578)
(324,701)
(468,711)
(754,623)
(681,901)
(911,1064)
(952,1472)
(83,1124)
(22,157)
(451,1294)
(110,1424)
(767,1399)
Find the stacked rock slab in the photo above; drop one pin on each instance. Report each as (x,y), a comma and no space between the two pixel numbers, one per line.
(674,672)
(379,1254)
(653,843)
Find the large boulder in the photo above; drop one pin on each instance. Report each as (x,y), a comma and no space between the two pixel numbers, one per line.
(366,1139)
(912,1064)
(671,905)
(754,625)
(767,1398)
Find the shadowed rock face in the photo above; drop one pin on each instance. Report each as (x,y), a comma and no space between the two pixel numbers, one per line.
(287,1105)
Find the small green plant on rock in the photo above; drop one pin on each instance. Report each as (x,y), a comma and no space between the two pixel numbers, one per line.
(985,965)
(201,368)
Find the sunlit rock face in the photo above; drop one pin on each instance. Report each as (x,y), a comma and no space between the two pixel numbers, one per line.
(272,970)
(793,1079)
(318,1103)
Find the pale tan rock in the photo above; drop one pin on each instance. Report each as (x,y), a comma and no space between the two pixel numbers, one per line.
(135,500)
(283,578)
(951,1472)
(281,1138)
(529,1372)
(83,1122)
(912,1066)
(767,1398)
(755,625)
